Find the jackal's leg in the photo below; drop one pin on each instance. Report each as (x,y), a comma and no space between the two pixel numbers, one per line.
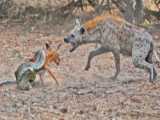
(41,75)
(51,73)
(94,53)
(116,55)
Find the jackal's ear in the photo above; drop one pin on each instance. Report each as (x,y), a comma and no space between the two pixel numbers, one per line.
(82,30)
(47,45)
(58,46)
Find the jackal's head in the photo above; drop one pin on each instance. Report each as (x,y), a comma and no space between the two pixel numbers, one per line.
(75,36)
(52,55)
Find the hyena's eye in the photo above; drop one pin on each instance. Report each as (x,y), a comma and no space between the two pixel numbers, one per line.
(82,30)
(72,36)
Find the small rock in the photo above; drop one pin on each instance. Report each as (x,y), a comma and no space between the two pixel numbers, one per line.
(64,110)
(81,112)
(55,107)
(61,119)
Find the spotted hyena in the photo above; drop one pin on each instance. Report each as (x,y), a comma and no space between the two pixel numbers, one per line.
(117,36)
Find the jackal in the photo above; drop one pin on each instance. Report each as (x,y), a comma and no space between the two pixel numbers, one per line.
(39,64)
(46,59)
(115,35)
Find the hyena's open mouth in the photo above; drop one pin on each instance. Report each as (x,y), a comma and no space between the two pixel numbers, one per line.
(74,45)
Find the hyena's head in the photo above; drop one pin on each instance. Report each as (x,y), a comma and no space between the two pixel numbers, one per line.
(75,36)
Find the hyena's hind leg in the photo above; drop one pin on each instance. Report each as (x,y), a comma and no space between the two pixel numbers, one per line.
(149,59)
(142,58)
(94,53)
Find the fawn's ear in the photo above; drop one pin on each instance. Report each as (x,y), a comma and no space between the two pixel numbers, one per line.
(47,45)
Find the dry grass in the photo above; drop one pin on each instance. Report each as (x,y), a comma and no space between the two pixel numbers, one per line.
(41,3)
(82,95)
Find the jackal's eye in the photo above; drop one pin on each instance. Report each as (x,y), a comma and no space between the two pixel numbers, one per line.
(72,36)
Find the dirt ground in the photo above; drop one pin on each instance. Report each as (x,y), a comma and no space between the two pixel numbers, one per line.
(82,95)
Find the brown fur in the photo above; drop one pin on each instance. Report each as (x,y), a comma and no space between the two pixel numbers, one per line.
(51,56)
(91,24)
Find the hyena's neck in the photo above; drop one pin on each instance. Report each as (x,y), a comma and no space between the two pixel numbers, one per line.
(93,36)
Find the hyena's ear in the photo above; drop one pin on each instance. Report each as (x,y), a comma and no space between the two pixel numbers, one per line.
(82,30)
(78,23)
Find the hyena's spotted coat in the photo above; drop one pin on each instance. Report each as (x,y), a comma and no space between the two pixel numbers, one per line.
(116,36)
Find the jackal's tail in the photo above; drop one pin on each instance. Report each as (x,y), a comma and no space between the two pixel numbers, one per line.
(6,82)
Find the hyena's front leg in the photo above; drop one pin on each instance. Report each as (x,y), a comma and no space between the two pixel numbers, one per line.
(116,55)
(94,53)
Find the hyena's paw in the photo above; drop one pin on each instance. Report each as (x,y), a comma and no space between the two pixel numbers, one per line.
(152,79)
(155,74)
(87,68)
(113,78)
